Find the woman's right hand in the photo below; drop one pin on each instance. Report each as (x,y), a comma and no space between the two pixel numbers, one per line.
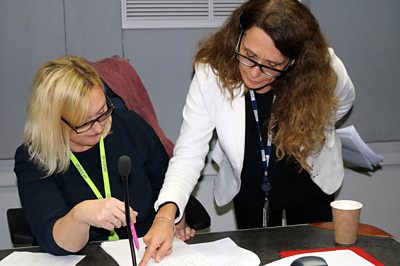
(158,239)
(106,213)
(71,232)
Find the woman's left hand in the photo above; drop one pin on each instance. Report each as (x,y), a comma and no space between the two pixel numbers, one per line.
(183,231)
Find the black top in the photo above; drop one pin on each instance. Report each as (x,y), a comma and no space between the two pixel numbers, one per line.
(45,200)
(289,186)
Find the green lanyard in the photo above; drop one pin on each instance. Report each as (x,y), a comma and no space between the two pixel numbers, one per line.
(106,180)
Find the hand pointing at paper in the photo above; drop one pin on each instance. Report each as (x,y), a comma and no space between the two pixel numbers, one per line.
(159,238)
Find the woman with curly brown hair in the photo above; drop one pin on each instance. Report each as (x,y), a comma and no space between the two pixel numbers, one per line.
(272,90)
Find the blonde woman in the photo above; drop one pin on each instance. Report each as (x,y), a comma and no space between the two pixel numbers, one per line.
(66,168)
(272,89)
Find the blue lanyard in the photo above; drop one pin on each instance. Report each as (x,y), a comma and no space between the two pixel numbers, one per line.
(265,149)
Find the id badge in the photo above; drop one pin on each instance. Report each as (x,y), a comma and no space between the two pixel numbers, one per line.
(266,212)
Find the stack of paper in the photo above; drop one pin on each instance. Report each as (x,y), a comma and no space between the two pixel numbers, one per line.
(355,150)
(221,252)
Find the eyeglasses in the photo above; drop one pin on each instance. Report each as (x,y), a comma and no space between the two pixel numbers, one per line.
(89,124)
(247,61)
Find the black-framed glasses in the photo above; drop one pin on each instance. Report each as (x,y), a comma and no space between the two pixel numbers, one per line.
(247,61)
(89,124)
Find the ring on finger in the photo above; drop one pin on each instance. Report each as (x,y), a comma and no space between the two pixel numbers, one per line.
(116,221)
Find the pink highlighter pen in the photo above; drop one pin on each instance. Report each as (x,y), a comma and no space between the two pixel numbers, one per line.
(134,235)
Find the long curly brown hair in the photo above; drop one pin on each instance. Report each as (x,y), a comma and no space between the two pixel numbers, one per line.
(305,100)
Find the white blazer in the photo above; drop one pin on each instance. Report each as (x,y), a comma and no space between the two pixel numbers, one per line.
(209,107)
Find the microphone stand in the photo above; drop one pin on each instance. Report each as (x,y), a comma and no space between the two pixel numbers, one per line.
(124,165)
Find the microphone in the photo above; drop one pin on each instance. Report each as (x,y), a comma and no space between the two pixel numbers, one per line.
(124,166)
(124,169)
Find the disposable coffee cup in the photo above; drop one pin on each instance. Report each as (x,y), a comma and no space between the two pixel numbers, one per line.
(346,217)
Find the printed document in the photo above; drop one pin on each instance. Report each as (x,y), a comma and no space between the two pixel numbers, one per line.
(217,253)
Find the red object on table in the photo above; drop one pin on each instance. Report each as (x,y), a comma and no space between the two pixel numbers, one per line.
(357,250)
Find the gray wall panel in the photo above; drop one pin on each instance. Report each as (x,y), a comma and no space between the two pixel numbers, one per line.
(163,59)
(366,36)
(31,32)
(93,28)
(364,33)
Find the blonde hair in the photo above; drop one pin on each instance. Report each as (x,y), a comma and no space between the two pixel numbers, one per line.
(61,88)
(305,99)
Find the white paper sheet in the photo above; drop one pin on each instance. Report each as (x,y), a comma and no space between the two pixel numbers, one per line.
(333,258)
(226,252)
(355,150)
(24,258)
(217,253)
(182,254)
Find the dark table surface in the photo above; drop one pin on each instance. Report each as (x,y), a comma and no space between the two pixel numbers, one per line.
(266,243)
